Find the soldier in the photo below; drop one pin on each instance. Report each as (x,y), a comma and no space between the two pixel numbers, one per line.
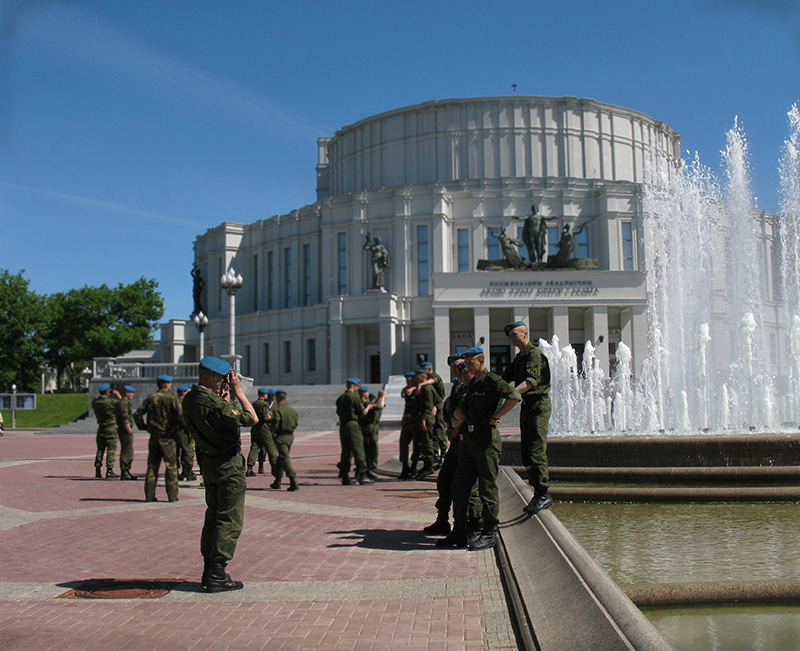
(426,407)
(486,400)
(408,427)
(530,373)
(262,439)
(444,481)
(164,419)
(124,416)
(439,438)
(213,419)
(350,410)
(370,443)
(372,423)
(185,443)
(284,422)
(105,408)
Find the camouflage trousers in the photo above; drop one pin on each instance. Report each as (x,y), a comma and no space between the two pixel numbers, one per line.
(106,444)
(157,449)
(444,485)
(370,434)
(225,485)
(534,421)
(262,447)
(284,462)
(478,459)
(352,442)
(185,449)
(125,450)
(439,431)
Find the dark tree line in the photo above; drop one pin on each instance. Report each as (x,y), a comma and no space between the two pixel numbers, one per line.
(66,330)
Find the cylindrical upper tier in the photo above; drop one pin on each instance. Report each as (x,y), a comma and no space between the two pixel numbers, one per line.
(456,140)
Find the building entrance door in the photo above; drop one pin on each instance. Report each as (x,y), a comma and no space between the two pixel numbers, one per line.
(375,369)
(499,359)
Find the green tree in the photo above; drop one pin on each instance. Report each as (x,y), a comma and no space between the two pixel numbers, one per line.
(22,324)
(100,322)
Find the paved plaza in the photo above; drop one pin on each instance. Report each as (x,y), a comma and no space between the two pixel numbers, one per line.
(326,567)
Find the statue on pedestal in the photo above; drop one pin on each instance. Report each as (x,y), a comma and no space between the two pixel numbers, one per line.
(379,259)
(197,289)
(534,235)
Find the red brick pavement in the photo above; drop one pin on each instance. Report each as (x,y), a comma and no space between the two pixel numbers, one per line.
(59,526)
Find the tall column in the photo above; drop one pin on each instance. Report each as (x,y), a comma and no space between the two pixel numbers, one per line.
(338,353)
(482,327)
(639,327)
(559,325)
(595,326)
(441,337)
(388,338)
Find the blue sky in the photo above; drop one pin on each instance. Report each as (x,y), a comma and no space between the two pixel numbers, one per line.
(128,128)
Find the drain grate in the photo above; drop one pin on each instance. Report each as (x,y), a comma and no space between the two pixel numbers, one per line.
(121,589)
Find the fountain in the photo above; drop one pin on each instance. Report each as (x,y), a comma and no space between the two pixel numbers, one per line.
(724,338)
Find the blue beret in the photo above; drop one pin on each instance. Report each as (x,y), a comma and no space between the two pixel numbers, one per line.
(363,388)
(215,365)
(104,387)
(509,327)
(452,358)
(164,378)
(128,387)
(270,392)
(262,390)
(471,352)
(421,371)
(410,374)
(426,363)
(280,391)
(353,380)
(372,395)
(184,387)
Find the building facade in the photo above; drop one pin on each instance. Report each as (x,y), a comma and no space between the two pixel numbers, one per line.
(435,182)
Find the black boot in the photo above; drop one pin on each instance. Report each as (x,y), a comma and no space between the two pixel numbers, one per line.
(276,483)
(345,480)
(260,467)
(250,472)
(456,538)
(427,469)
(538,503)
(127,476)
(364,479)
(406,473)
(474,529)
(441,527)
(292,484)
(98,473)
(485,540)
(215,579)
(190,476)
(110,474)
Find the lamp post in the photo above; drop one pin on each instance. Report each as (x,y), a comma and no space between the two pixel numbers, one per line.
(14,406)
(231,282)
(43,369)
(201,321)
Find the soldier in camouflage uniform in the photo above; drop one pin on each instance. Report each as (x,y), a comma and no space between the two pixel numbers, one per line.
(409,427)
(214,418)
(530,373)
(426,408)
(262,438)
(124,417)
(105,408)
(371,428)
(284,422)
(485,401)
(185,444)
(164,419)
(439,438)
(350,411)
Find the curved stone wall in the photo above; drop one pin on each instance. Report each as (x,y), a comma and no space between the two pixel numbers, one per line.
(460,139)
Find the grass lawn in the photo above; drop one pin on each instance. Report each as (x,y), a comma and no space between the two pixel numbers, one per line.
(51,410)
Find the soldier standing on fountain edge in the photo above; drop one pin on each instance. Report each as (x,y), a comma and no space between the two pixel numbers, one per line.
(530,373)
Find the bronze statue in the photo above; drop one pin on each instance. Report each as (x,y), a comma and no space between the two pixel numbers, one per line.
(534,235)
(566,246)
(379,258)
(509,247)
(197,289)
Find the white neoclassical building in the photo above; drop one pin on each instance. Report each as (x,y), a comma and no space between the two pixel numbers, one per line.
(435,181)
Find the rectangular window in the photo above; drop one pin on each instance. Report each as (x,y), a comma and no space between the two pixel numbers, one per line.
(493,245)
(462,235)
(270,277)
(287,277)
(423,261)
(256,297)
(246,361)
(265,358)
(287,356)
(552,240)
(523,250)
(311,354)
(582,244)
(341,263)
(306,274)
(627,246)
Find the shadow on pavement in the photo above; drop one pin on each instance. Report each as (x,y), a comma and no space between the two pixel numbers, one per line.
(387,539)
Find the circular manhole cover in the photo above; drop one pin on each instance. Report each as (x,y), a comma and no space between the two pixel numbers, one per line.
(121,589)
